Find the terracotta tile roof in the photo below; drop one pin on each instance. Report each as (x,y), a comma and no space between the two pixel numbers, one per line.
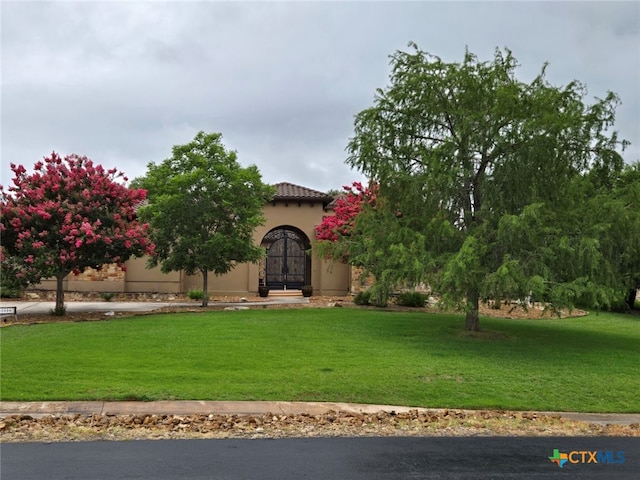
(284,191)
(289,191)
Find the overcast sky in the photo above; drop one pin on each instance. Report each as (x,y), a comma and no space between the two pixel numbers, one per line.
(122,82)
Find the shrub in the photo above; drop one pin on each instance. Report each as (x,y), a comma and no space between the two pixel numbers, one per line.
(379,295)
(411,299)
(375,296)
(10,284)
(195,294)
(362,297)
(107,296)
(10,290)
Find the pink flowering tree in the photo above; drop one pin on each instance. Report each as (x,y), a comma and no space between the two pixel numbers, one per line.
(68,215)
(368,231)
(333,235)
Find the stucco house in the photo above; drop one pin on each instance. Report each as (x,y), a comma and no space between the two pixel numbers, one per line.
(286,236)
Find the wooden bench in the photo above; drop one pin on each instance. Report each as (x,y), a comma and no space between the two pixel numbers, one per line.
(9,311)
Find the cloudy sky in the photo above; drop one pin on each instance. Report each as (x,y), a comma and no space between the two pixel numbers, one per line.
(122,82)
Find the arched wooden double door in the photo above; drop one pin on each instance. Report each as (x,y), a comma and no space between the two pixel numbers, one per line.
(287,265)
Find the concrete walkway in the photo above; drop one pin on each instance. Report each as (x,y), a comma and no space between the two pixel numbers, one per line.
(39,409)
(39,307)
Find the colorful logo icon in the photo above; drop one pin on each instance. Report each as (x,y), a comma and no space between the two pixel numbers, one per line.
(587,456)
(559,458)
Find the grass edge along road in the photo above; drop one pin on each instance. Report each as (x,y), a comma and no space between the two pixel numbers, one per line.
(342,355)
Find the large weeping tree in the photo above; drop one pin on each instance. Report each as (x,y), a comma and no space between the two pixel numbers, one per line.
(203,207)
(456,148)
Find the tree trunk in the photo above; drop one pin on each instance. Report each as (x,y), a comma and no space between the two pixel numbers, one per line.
(631,298)
(205,287)
(473,305)
(59,308)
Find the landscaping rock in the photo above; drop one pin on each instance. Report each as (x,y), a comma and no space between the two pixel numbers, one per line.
(50,428)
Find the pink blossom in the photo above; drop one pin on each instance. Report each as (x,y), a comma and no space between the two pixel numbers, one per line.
(347,208)
(52,194)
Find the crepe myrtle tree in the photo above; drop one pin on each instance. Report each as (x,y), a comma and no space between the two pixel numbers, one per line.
(69,214)
(203,207)
(456,147)
(345,237)
(368,232)
(348,205)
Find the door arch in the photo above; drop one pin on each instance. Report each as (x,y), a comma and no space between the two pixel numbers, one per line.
(287,264)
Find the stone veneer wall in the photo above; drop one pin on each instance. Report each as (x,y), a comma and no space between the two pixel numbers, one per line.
(360,282)
(93,296)
(108,278)
(108,273)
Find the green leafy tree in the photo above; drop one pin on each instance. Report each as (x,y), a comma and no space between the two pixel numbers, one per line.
(628,193)
(203,207)
(458,147)
(365,234)
(613,213)
(334,192)
(584,248)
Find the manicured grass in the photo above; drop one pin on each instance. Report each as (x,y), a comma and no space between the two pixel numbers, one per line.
(583,364)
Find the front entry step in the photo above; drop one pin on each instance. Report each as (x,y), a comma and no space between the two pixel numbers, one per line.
(285,293)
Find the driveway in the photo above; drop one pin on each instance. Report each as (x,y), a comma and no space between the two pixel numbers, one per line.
(38,307)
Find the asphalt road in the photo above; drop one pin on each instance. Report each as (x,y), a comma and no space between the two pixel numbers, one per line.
(323,459)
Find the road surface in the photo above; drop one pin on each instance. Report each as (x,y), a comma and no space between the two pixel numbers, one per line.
(324,459)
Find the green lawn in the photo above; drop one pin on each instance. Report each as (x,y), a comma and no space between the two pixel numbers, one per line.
(583,364)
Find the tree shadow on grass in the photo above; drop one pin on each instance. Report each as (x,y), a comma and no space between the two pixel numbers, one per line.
(503,338)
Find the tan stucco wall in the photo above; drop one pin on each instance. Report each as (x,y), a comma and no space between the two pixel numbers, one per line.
(335,278)
(327,278)
(142,279)
(235,282)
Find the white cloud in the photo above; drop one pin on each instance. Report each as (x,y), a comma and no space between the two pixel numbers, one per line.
(122,82)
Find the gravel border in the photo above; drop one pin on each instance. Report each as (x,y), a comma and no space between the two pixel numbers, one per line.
(68,428)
